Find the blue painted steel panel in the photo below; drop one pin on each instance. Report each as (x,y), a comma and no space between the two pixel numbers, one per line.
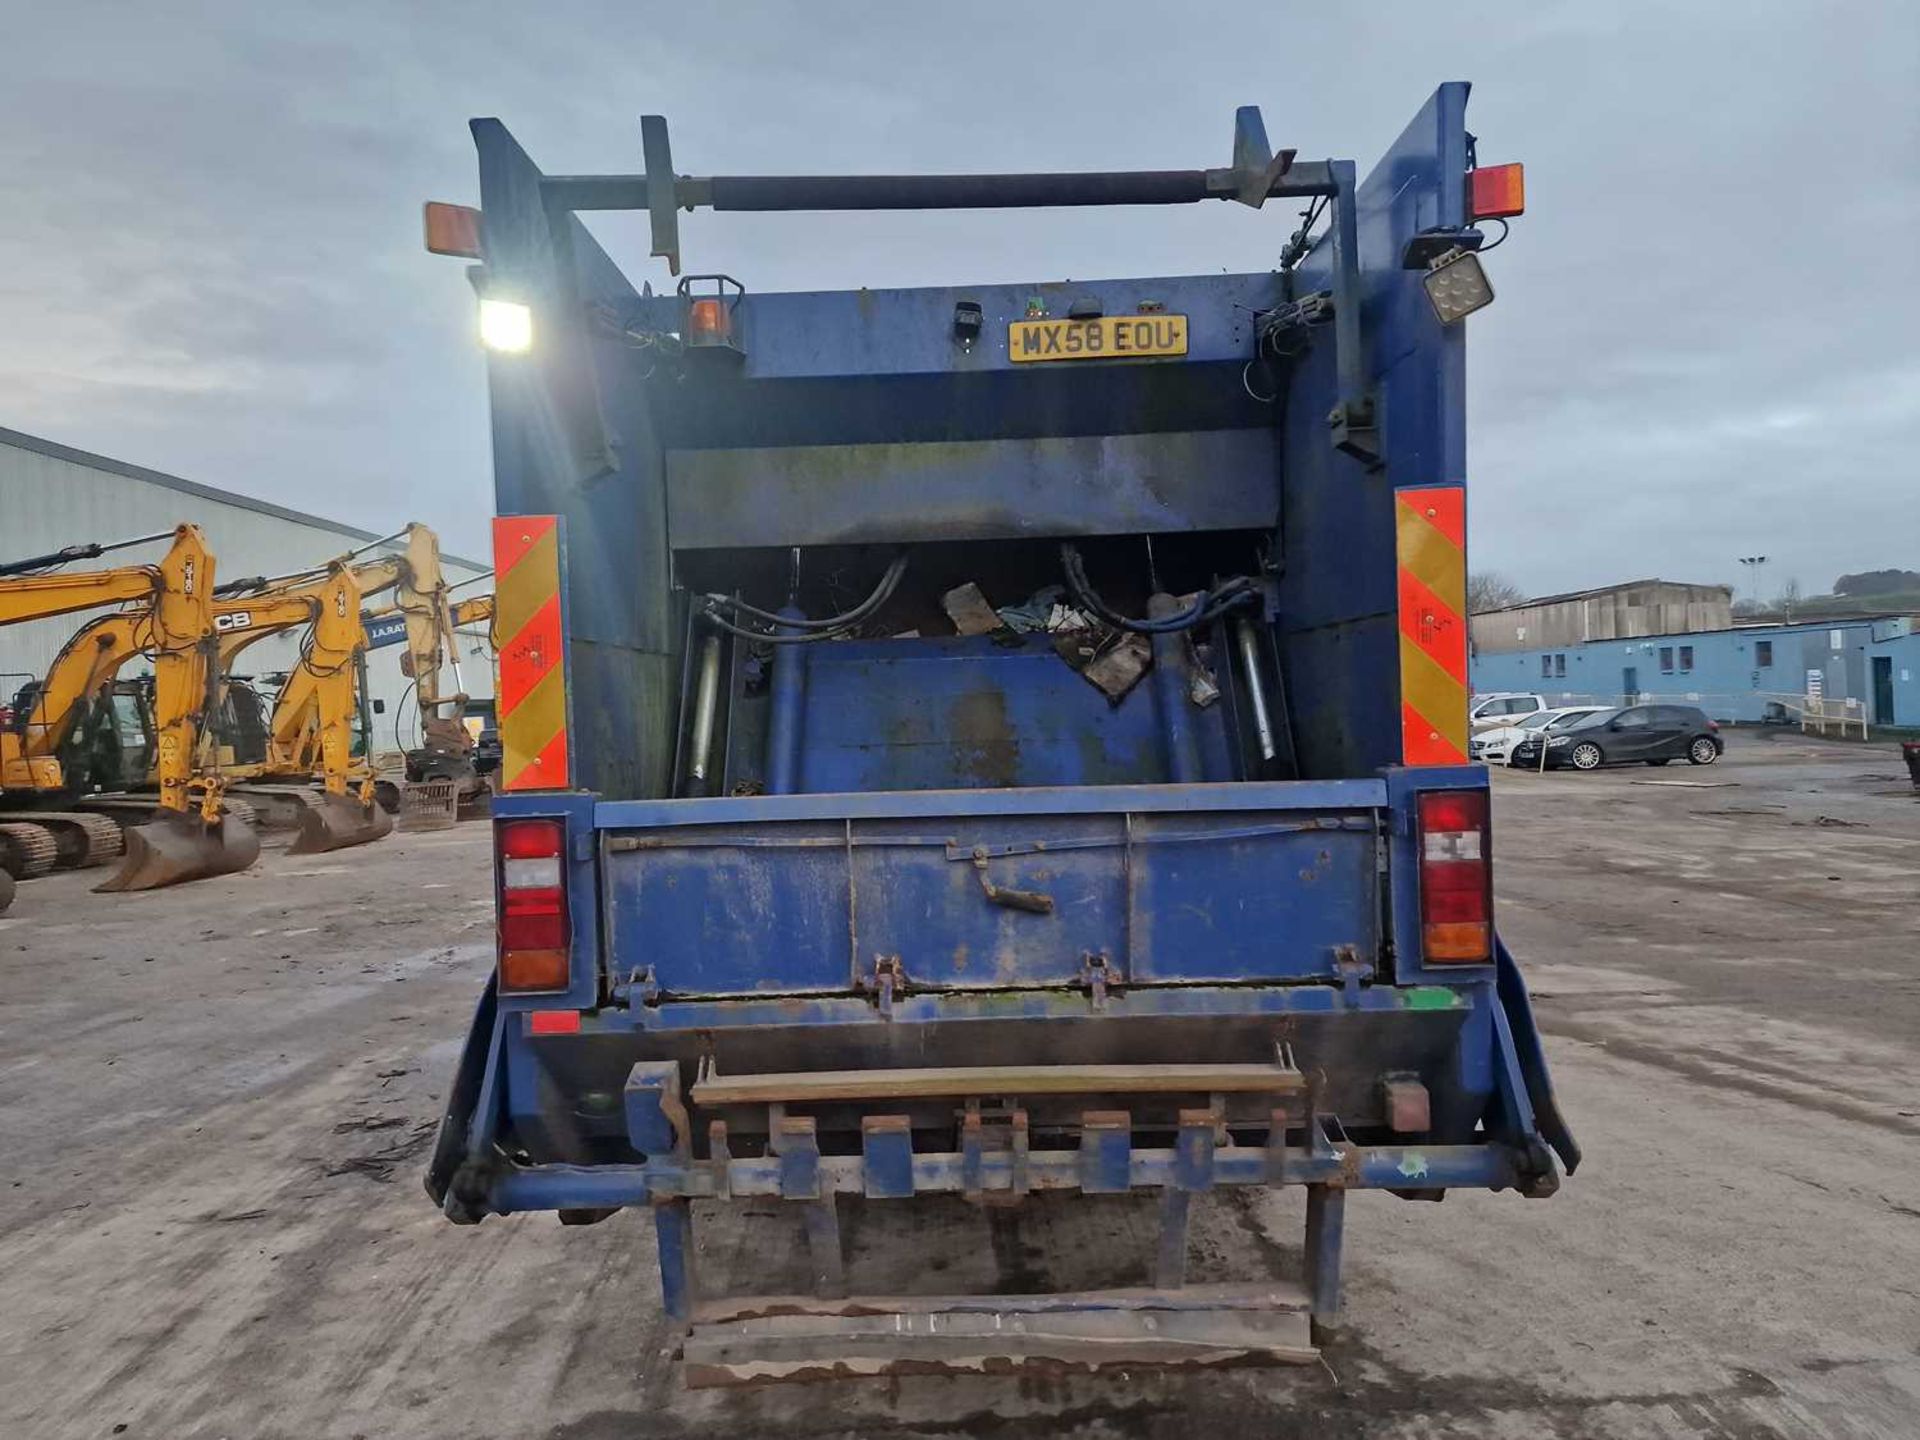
(1287,795)
(806,334)
(811,905)
(1337,594)
(935,714)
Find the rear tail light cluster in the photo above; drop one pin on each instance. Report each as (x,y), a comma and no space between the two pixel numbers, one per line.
(1456,878)
(535,928)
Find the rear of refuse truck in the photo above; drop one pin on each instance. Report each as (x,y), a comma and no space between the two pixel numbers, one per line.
(987,740)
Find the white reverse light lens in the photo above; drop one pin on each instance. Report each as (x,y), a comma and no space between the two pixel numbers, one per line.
(506,325)
(540,872)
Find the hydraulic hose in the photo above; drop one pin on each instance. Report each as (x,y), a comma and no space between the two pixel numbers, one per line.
(810,630)
(1208,606)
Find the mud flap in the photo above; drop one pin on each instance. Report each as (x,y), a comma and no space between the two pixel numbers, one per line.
(1512,991)
(452,1145)
(172,848)
(335,822)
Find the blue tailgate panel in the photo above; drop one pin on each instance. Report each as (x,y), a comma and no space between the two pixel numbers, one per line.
(993,901)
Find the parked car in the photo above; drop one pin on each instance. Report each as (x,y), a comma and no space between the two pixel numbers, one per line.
(1503,707)
(1495,746)
(1652,734)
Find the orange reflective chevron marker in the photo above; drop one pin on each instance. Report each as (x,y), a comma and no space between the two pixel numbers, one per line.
(531,693)
(1430,528)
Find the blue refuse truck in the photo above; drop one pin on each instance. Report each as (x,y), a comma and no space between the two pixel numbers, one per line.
(987,739)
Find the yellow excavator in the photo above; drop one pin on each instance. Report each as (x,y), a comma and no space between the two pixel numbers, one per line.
(311,726)
(170,615)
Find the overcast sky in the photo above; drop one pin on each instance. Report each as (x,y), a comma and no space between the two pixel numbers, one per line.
(1704,344)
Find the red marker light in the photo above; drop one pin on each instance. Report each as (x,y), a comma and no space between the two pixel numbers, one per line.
(1496,192)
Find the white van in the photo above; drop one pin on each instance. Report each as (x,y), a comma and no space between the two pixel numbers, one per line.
(1504,707)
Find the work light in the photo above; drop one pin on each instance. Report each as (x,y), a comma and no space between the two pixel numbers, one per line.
(506,325)
(1457,286)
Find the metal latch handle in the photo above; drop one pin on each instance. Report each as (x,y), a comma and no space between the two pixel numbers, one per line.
(1034,902)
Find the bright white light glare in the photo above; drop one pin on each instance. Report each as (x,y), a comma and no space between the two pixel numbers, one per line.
(1457,287)
(506,325)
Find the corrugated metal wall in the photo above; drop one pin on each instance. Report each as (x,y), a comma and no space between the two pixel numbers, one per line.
(49,500)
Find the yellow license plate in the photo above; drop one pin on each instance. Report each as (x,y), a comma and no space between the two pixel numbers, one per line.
(1112,337)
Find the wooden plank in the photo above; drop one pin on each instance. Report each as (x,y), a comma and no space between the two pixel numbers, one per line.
(963,1080)
(813,1347)
(1267,1295)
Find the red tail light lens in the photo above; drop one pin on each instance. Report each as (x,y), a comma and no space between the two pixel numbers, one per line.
(1456,878)
(535,927)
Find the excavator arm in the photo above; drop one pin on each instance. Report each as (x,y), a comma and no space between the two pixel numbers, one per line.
(80,673)
(189,838)
(42,597)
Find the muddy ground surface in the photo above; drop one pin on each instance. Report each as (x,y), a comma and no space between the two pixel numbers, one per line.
(217,1101)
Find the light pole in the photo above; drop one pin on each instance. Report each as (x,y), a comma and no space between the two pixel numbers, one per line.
(1755,564)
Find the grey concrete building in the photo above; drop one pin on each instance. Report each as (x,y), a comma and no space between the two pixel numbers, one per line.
(1613,612)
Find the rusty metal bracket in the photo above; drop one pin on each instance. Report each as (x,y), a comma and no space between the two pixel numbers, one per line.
(1352,969)
(1098,974)
(888,981)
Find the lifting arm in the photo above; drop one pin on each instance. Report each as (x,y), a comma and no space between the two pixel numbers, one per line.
(40,597)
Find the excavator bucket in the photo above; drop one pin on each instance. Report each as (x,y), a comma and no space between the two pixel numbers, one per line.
(172,848)
(336,822)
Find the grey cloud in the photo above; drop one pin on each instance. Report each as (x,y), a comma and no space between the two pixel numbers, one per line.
(211,260)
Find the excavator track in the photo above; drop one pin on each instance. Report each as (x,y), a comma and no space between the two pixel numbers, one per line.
(135,809)
(275,807)
(79,839)
(27,850)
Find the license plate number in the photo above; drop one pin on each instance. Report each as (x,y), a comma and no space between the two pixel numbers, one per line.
(1112,337)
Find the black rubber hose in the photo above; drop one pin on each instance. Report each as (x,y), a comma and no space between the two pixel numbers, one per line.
(810,630)
(1209,606)
(882,592)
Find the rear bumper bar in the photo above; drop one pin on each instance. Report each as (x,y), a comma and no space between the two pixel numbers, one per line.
(1391,1167)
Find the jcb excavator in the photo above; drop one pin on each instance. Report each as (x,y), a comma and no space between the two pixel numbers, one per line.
(311,728)
(170,615)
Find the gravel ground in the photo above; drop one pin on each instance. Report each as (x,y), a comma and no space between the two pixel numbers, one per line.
(217,1102)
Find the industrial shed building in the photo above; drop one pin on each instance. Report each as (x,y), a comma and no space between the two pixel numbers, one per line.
(53,496)
(1866,667)
(1611,612)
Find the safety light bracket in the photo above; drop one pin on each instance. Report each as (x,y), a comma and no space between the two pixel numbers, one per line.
(1435,241)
